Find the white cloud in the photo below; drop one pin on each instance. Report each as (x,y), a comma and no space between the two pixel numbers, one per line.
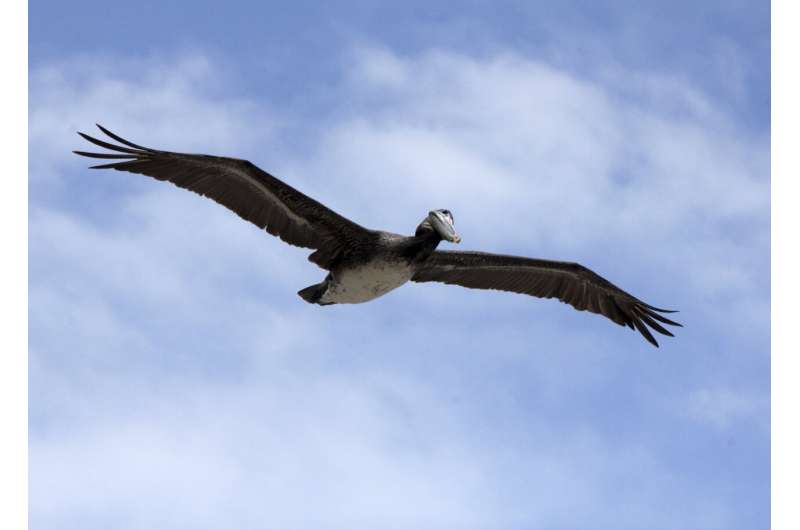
(651,172)
(177,380)
(172,103)
(279,450)
(722,408)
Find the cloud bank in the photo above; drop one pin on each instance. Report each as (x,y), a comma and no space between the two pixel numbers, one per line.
(177,381)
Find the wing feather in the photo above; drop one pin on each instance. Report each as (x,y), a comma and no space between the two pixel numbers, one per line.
(248,191)
(571,283)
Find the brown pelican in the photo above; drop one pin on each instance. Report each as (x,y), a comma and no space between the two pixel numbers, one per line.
(364,264)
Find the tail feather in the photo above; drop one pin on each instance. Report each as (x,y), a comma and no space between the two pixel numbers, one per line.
(313,293)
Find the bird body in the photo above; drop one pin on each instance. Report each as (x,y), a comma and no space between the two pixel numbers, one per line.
(393,262)
(362,283)
(365,264)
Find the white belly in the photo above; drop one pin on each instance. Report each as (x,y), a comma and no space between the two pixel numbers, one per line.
(367,282)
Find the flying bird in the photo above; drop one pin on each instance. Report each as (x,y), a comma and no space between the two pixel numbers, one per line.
(364,264)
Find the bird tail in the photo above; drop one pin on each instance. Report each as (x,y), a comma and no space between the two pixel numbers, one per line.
(313,293)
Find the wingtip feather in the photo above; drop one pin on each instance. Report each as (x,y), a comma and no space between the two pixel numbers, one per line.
(645,332)
(660,310)
(120,139)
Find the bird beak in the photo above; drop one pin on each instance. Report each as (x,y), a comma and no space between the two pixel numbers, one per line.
(444,225)
(450,233)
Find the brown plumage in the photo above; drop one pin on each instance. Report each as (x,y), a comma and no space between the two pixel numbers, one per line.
(570,283)
(250,192)
(365,264)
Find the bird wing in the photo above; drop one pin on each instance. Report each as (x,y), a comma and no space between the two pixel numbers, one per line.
(250,192)
(571,283)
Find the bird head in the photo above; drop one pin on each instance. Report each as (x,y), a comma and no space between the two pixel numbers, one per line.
(441,221)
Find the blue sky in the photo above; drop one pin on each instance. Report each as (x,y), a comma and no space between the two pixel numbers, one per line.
(176,380)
